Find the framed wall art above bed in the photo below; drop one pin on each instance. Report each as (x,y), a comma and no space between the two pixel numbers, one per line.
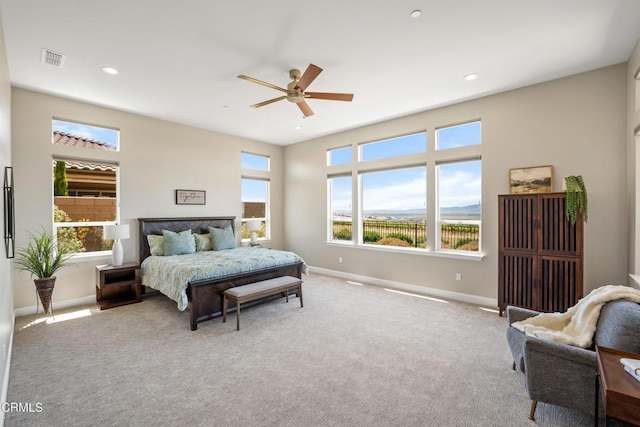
(191,197)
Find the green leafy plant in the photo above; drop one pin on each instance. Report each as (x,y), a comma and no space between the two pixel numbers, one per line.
(67,236)
(342,235)
(41,257)
(576,198)
(371,236)
(60,182)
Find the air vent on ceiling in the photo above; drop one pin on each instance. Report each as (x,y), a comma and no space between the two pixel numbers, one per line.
(53,58)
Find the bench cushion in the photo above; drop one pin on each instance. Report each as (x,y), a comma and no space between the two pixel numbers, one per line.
(265,285)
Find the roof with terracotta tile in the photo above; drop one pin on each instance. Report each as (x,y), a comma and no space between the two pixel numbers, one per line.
(63,138)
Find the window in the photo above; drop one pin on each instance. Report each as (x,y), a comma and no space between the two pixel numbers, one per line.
(456,136)
(85,136)
(339,156)
(394,147)
(341,213)
(255,206)
(255,193)
(85,192)
(460,207)
(394,207)
(411,198)
(85,200)
(255,162)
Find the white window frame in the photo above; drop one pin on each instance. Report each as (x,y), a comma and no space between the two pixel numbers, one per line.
(58,225)
(440,222)
(258,175)
(431,158)
(267,209)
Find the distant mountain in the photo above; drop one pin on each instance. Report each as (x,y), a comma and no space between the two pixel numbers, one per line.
(454,211)
(471,210)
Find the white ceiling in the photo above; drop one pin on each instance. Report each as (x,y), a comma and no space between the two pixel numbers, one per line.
(179,60)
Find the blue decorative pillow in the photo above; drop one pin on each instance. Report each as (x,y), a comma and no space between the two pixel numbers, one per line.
(178,243)
(222,238)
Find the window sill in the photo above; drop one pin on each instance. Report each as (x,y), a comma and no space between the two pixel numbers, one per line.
(469,256)
(247,242)
(90,257)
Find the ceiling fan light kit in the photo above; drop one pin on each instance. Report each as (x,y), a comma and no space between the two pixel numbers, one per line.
(295,91)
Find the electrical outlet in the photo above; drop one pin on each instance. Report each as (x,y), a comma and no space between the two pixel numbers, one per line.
(458,276)
(340,259)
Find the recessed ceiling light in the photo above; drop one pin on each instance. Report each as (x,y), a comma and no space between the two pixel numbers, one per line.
(298,127)
(471,76)
(416,13)
(110,70)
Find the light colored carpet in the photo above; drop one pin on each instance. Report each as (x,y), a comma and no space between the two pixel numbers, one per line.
(355,355)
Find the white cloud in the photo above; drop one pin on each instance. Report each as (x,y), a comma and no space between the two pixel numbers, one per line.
(461,188)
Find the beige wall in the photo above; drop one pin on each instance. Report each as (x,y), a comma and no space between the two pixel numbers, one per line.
(6,290)
(156,158)
(577,124)
(633,157)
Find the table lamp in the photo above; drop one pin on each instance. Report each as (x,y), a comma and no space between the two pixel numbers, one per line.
(116,232)
(254,226)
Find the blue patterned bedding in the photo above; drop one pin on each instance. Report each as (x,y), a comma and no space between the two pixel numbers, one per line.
(171,274)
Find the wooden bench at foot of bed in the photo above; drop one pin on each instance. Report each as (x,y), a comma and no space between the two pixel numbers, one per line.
(259,290)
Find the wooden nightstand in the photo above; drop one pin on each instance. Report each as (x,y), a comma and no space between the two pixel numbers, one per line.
(117,285)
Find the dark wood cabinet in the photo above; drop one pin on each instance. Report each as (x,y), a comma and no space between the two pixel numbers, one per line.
(117,285)
(540,253)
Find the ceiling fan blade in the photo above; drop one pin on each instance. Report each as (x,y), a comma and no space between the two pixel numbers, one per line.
(306,110)
(260,82)
(270,101)
(308,76)
(329,95)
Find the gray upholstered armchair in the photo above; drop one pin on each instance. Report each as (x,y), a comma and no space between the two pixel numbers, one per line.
(564,375)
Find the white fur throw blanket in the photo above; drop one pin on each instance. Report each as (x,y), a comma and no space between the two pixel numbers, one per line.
(578,324)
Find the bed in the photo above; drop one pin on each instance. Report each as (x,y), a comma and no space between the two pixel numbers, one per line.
(201,286)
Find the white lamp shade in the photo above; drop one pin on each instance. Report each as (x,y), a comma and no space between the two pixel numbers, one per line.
(254,225)
(116,231)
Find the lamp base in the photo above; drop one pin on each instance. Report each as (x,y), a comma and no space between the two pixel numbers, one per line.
(117,254)
(254,238)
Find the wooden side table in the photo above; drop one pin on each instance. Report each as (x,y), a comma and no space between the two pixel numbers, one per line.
(620,392)
(117,285)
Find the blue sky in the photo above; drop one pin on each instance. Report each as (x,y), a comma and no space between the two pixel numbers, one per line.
(459,184)
(254,161)
(108,136)
(254,190)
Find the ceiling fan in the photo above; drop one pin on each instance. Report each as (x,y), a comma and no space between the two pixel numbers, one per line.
(295,91)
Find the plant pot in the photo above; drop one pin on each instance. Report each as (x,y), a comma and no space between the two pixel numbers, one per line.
(44,287)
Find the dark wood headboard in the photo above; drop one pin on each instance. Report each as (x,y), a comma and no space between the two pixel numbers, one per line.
(198,225)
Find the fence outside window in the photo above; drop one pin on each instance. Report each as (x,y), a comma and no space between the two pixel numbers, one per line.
(454,235)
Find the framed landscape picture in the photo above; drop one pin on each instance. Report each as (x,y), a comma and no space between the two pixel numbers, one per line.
(533,179)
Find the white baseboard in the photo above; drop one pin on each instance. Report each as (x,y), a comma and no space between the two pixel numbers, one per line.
(31,310)
(7,371)
(457,296)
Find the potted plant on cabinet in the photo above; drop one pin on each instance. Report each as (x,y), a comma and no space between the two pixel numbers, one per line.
(42,259)
(576,198)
